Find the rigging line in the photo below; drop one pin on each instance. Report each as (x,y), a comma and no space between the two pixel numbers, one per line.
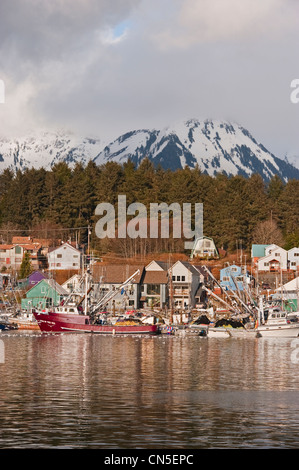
(42,229)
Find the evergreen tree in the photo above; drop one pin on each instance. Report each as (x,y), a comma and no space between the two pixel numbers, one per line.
(26,267)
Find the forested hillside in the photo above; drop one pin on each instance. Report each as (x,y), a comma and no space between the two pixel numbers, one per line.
(236,209)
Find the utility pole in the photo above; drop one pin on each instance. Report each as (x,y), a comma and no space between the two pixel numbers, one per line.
(88,241)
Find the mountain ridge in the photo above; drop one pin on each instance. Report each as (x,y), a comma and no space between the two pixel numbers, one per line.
(214,145)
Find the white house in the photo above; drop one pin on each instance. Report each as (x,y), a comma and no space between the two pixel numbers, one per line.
(291,287)
(275,258)
(204,247)
(73,284)
(64,257)
(157,266)
(11,256)
(293,258)
(185,282)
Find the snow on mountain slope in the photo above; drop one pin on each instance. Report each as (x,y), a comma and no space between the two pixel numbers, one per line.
(44,149)
(216,146)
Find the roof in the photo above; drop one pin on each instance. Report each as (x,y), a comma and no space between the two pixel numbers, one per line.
(60,246)
(117,273)
(162,264)
(293,249)
(6,247)
(292,285)
(269,257)
(38,272)
(201,270)
(189,266)
(155,277)
(59,289)
(258,251)
(52,283)
(21,240)
(30,246)
(73,278)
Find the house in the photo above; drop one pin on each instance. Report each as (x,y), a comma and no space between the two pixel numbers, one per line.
(44,294)
(32,279)
(185,280)
(275,259)
(11,256)
(233,278)
(293,259)
(257,251)
(204,247)
(21,240)
(154,285)
(291,287)
(289,293)
(73,284)
(112,277)
(64,256)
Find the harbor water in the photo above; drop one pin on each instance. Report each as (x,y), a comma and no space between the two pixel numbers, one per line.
(165,392)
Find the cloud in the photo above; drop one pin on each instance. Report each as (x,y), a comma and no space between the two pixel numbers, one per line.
(206,21)
(47,50)
(106,67)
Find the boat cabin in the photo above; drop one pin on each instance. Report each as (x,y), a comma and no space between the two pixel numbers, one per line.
(275,316)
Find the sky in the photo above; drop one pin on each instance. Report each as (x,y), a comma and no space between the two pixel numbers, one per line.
(101,68)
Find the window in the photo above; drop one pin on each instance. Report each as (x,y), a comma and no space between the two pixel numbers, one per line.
(75,264)
(58,265)
(18,250)
(277,254)
(183,278)
(296,254)
(266,264)
(59,255)
(226,278)
(153,289)
(75,256)
(178,278)
(293,263)
(234,269)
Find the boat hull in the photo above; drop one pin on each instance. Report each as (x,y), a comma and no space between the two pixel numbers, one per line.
(30,325)
(284,331)
(56,323)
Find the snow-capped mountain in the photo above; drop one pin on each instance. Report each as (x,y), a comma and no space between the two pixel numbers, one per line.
(216,146)
(44,149)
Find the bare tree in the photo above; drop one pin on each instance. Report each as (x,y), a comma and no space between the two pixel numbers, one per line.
(267,232)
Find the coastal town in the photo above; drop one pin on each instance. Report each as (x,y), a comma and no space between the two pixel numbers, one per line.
(207,287)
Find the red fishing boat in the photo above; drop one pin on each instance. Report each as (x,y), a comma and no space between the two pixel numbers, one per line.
(62,320)
(70,317)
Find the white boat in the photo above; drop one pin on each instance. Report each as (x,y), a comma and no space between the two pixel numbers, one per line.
(278,325)
(218,332)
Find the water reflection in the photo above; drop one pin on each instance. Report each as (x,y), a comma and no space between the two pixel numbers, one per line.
(90,391)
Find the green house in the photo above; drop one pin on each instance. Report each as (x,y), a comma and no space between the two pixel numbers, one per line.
(44,294)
